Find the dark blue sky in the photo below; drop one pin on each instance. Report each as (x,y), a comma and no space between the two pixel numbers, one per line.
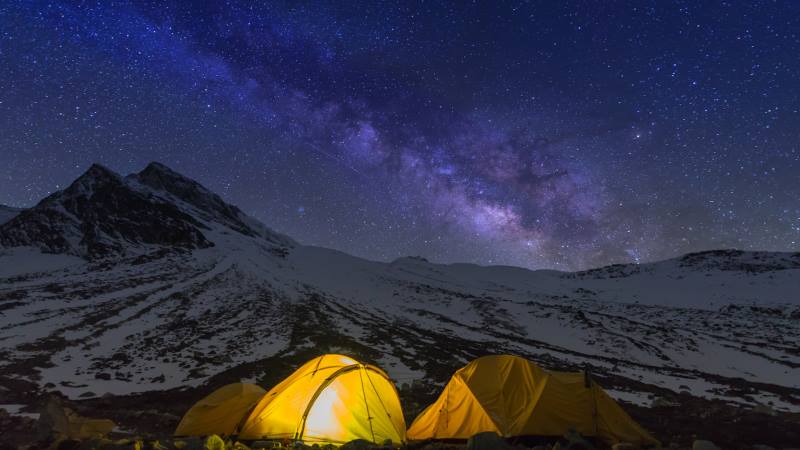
(541,134)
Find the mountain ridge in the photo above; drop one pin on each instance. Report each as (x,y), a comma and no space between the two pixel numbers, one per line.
(171,186)
(103,214)
(8,212)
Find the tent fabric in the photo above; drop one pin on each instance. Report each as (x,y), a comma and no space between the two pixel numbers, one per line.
(57,419)
(330,399)
(514,397)
(221,412)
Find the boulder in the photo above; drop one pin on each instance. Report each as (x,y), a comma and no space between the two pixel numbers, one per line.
(762,447)
(700,444)
(488,440)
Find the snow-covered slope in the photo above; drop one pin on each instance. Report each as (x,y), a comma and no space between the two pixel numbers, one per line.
(181,289)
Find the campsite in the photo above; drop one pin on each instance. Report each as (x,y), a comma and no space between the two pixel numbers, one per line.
(124,345)
(399,224)
(332,401)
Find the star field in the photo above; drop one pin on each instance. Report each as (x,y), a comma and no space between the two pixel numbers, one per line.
(540,134)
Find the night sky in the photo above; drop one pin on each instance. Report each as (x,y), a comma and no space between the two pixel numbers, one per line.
(541,134)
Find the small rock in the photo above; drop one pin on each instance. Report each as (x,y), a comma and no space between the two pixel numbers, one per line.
(576,441)
(488,440)
(764,409)
(214,442)
(157,445)
(704,445)
(762,447)
(358,444)
(189,443)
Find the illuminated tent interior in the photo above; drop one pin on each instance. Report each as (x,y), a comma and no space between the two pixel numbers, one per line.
(514,397)
(221,412)
(330,399)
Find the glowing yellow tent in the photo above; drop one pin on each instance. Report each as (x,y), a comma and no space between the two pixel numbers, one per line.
(330,399)
(514,397)
(221,412)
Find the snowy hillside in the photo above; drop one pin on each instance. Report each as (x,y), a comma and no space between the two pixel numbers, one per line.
(151,282)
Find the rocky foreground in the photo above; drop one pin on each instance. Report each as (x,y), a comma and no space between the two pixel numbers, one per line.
(62,424)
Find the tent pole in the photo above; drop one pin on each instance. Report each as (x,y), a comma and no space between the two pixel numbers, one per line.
(366,405)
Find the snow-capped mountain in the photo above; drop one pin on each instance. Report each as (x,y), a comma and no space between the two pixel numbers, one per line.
(103,214)
(152,282)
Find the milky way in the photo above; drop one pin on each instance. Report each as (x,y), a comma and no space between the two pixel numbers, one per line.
(541,134)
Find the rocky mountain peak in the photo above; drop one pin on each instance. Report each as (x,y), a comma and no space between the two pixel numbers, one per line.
(100,171)
(97,173)
(100,214)
(207,204)
(97,176)
(158,175)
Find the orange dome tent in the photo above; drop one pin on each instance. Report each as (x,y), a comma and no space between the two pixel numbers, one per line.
(221,412)
(330,399)
(514,397)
